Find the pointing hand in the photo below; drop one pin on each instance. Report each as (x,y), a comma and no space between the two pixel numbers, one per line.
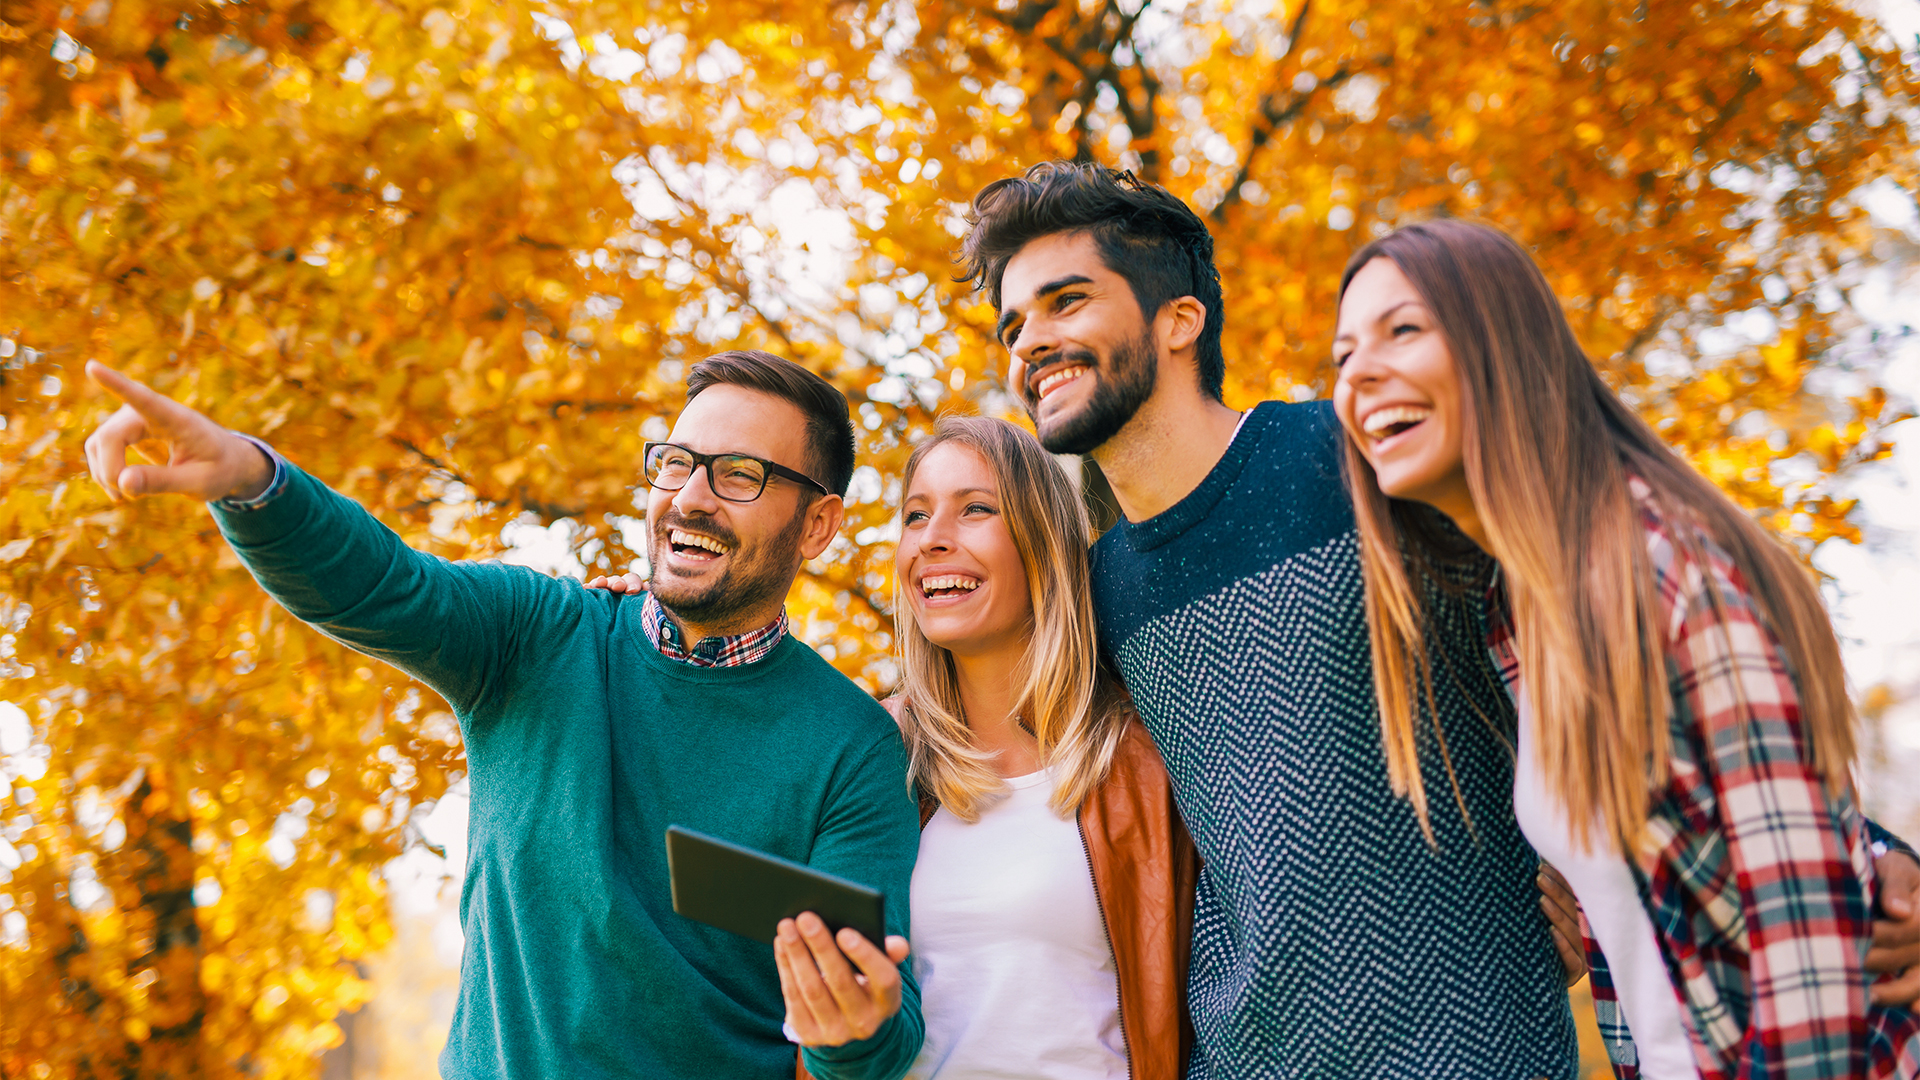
(204,460)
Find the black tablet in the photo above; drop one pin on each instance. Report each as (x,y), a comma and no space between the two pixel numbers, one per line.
(748,892)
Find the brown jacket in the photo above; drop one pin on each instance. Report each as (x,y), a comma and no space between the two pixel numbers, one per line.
(1145,870)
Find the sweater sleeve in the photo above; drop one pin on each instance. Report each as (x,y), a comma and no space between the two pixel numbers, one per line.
(455,626)
(1884,840)
(870,833)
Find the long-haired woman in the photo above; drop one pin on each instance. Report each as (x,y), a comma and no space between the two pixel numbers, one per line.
(1685,734)
(1053,896)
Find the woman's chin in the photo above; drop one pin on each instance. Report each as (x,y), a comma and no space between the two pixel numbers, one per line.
(972,640)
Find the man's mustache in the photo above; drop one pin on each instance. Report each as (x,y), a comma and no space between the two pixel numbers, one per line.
(705,526)
(1034,375)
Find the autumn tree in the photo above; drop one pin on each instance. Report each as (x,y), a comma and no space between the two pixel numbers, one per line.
(454,258)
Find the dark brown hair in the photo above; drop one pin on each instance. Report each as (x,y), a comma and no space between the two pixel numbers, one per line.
(1143,232)
(829,425)
(1548,450)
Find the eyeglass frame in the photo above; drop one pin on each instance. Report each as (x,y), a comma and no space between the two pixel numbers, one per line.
(700,461)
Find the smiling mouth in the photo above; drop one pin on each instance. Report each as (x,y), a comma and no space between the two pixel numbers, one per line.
(1384,424)
(948,585)
(1058,378)
(694,546)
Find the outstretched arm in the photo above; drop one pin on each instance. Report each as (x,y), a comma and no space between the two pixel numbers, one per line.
(322,556)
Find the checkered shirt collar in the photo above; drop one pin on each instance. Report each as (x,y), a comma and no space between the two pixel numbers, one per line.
(709,652)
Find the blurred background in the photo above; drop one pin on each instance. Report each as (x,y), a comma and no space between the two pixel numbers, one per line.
(453,258)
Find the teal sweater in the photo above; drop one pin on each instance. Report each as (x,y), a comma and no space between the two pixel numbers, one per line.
(583,745)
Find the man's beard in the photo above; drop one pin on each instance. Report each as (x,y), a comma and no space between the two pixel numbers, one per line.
(752,576)
(1120,388)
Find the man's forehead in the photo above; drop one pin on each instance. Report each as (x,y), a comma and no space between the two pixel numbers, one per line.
(1050,259)
(728,419)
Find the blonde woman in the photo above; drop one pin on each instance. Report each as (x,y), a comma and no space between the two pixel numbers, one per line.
(1053,896)
(1685,736)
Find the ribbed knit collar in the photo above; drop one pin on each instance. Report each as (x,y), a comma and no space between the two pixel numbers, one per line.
(1198,503)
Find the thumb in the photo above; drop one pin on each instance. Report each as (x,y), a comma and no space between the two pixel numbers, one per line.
(1897,905)
(194,478)
(897,948)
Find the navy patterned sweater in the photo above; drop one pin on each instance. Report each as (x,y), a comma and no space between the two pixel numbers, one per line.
(1330,940)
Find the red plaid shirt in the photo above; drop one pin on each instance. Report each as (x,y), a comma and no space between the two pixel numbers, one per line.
(709,652)
(1758,878)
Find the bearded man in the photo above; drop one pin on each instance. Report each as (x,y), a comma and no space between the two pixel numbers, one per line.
(1332,937)
(591,724)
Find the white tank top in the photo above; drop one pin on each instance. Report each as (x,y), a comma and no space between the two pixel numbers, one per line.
(1016,973)
(1604,885)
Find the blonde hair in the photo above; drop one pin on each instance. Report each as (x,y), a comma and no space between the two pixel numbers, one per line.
(1547,449)
(1074,709)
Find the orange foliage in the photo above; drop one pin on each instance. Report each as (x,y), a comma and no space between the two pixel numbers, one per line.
(452,257)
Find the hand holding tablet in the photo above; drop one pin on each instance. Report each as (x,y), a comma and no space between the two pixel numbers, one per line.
(816,923)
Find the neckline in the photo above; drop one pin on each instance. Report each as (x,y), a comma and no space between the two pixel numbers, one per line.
(636,639)
(1030,780)
(1171,523)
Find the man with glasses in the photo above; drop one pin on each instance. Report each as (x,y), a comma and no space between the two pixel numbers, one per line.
(591,724)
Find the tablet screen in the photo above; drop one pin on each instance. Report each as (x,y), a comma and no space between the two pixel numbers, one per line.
(748,892)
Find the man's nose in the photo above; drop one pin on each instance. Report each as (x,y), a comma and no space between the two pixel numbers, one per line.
(697,496)
(1036,345)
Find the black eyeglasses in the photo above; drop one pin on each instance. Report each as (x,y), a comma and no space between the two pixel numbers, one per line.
(733,477)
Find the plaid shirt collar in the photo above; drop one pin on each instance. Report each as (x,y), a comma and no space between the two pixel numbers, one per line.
(709,652)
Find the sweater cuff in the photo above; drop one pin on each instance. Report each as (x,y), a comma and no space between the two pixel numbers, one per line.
(274,487)
(1883,842)
(850,1059)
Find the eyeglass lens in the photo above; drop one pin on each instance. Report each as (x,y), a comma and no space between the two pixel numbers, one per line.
(732,477)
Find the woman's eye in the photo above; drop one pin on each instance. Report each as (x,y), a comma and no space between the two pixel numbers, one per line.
(981,508)
(1405,328)
(1340,361)
(913,517)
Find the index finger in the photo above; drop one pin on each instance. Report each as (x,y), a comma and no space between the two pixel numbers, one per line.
(872,961)
(155,407)
(853,998)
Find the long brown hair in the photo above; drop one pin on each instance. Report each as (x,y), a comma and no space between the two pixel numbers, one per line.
(1548,449)
(1075,710)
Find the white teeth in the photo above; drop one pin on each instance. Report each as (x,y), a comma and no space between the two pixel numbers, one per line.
(687,539)
(950,581)
(1058,378)
(1380,420)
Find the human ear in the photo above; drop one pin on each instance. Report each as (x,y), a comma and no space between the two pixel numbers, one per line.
(823,524)
(1180,323)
